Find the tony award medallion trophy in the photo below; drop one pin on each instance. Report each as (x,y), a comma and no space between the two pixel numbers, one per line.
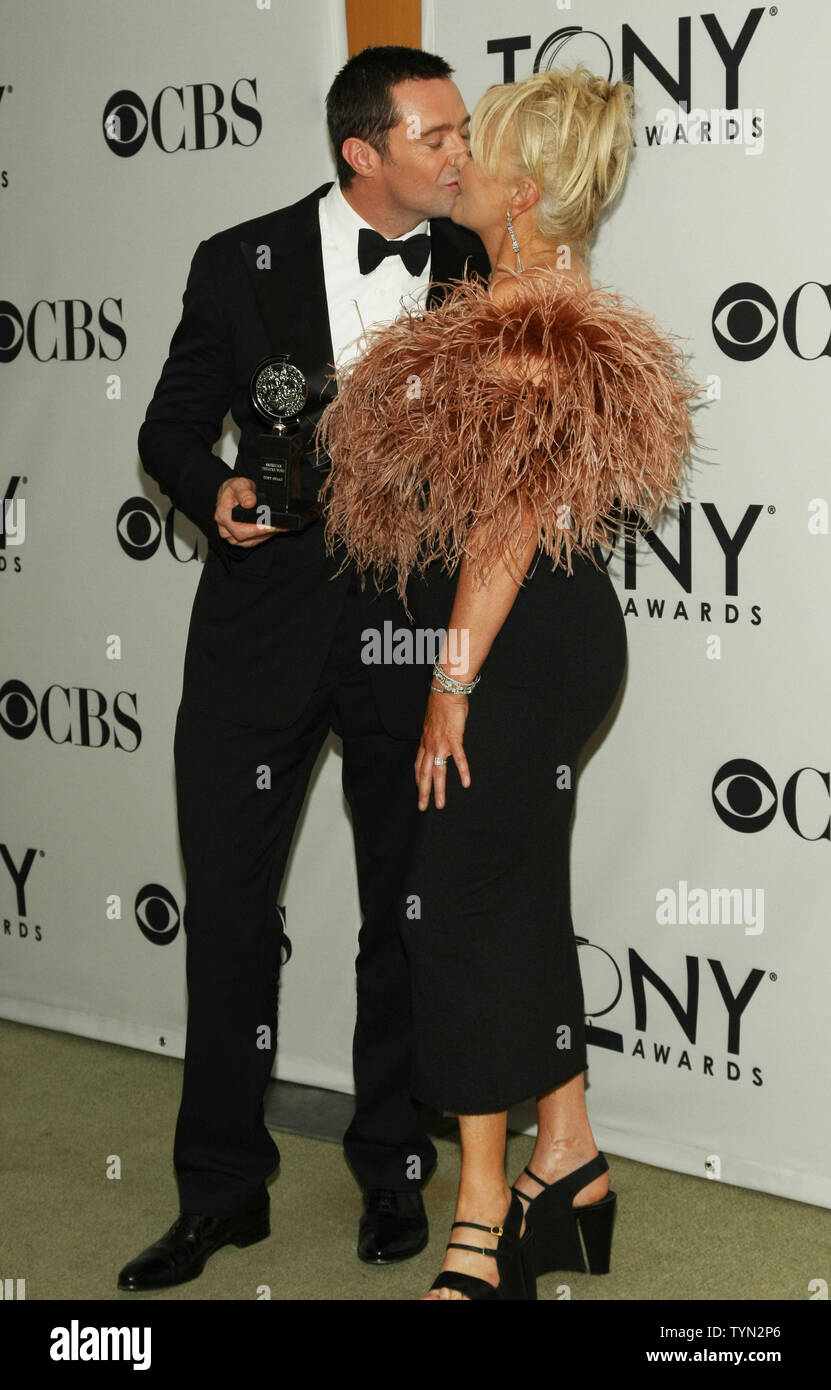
(278,392)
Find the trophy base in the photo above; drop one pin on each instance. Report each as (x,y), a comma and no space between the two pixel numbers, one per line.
(297,518)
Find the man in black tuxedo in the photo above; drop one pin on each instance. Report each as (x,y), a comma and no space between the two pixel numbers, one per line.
(273,659)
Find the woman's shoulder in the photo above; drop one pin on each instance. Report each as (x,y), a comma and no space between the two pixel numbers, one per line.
(508,287)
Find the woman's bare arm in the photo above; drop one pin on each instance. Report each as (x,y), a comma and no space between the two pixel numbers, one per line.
(478,613)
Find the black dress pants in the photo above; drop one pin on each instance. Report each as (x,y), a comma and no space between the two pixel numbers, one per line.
(236,833)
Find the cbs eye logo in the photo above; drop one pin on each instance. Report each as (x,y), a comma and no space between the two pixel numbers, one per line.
(745,796)
(746,799)
(18,711)
(125,123)
(746,320)
(157,914)
(140,530)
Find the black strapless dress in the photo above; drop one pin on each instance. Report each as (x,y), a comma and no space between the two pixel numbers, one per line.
(497,995)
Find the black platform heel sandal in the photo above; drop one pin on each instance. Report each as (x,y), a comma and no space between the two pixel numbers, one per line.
(514,1260)
(568,1237)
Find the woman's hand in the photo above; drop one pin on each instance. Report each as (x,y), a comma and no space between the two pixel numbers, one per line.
(441,737)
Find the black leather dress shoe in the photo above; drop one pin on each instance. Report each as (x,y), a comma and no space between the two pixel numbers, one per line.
(393,1226)
(181,1254)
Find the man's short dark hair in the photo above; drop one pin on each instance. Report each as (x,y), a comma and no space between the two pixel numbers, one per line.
(360,103)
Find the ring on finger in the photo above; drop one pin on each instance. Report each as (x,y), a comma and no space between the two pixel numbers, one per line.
(440,762)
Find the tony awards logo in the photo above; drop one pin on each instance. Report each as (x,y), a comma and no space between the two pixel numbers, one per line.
(278,393)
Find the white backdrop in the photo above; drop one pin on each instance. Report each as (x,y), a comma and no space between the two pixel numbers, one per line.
(700,220)
(98,589)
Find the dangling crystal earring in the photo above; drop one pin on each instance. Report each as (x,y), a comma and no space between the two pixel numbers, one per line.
(514,242)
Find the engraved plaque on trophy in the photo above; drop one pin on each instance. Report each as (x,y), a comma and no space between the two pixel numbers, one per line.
(278,393)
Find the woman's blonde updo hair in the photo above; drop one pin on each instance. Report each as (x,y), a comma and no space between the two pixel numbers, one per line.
(571,132)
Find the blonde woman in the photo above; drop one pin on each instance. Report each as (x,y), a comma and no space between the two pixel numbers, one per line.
(481,456)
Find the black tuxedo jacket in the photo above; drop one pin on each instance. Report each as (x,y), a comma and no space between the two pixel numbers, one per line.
(264,617)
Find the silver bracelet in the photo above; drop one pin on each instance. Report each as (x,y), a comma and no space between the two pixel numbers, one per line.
(448,686)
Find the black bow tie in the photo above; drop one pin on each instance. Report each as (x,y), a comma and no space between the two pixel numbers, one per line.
(372,248)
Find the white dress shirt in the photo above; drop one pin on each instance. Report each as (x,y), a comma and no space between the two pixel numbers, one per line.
(358,302)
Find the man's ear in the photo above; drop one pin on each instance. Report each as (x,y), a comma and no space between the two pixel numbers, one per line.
(360,156)
(526,195)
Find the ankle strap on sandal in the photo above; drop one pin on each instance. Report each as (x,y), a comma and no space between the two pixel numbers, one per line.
(475,1226)
(571,1182)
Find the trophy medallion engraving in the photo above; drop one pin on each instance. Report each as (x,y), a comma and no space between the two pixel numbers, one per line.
(278,393)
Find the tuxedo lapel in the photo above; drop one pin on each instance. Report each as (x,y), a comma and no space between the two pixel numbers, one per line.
(291,294)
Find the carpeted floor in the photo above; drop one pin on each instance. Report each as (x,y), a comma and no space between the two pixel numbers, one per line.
(69,1104)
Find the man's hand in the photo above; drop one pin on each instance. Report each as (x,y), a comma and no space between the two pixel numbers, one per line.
(240,492)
